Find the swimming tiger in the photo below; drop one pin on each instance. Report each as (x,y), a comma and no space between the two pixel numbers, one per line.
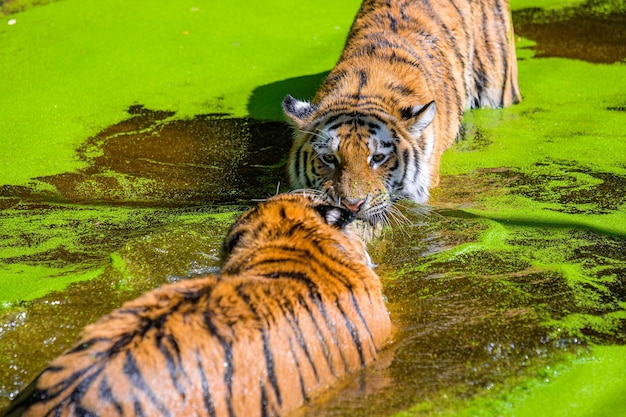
(379,123)
(294,307)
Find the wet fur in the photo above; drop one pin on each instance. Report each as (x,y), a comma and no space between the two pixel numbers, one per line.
(378,125)
(295,307)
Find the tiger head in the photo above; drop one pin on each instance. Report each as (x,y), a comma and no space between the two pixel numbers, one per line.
(299,218)
(364,161)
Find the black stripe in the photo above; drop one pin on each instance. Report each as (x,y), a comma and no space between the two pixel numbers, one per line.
(331,119)
(335,77)
(505,44)
(393,23)
(79,391)
(264,401)
(480,80)
(294,354)
(137,407)
(269,365)
(105,395)
(362,79)
(403,89)
(305,258)
(353,333)
(267,349)
(296,160)
(302,342)
(337,125)
(318,331)
(135,376)
(206,391)
(304,161)
(60,387)
(357,308)
(173,368)
(227,348)
(416,161)
(405,160)
(318,302)
(458,12)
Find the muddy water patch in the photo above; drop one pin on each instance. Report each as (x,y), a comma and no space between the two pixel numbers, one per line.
(594,31)
(567,187)
(153,158)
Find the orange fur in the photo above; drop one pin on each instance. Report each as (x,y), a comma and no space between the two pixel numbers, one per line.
(295,307)
(378,125)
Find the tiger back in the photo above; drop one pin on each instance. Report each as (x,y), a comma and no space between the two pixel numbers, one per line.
(295,307)
(379,123)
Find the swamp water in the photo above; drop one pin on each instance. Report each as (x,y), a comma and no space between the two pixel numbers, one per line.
(513,283)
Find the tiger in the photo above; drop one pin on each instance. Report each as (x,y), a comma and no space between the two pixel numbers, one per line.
(295,307)
(375,131)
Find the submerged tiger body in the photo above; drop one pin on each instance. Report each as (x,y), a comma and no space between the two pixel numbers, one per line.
(295,307)
(378,125)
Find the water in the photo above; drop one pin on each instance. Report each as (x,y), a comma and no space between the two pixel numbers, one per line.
(518,265)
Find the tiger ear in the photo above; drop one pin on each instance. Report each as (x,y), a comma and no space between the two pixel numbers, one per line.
(335,216)
(419,116)
(298,111)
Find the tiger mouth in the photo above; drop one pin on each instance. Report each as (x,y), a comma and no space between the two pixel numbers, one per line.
(371,211)
(374,215)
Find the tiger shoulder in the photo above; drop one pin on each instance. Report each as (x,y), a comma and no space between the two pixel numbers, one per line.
(295,307)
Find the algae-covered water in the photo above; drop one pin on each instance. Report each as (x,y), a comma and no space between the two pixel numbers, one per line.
(133,133)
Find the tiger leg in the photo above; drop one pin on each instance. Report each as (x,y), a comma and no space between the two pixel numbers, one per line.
(512,93)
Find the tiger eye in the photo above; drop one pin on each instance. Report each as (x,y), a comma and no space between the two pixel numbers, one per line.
(378,158)
(329,159)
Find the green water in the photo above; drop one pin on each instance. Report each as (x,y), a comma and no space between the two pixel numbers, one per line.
(133,133)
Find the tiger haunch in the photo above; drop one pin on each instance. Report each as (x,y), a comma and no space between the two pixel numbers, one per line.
(294,308)
(379,123)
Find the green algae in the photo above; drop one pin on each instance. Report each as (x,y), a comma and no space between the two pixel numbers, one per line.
(121,159)
(553,4)
(82,63)
(590,385)
(45,247)
(553,113)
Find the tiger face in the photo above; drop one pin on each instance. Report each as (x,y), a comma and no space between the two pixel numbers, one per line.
(363,162)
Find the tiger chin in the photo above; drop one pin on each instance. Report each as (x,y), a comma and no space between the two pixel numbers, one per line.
(294,308)
(376,129)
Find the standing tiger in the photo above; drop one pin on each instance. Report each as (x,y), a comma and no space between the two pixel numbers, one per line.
(378,125)
(295,307)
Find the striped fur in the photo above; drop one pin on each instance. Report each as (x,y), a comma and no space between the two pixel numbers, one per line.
(378,125)
(295,307)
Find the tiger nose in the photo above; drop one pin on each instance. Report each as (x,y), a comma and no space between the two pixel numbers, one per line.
(354,207)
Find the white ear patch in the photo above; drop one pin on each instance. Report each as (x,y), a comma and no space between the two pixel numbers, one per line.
(424,116)
(297,110)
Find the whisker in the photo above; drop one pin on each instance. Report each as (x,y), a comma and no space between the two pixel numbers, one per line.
(420,210)
(313,193)
(321,136)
